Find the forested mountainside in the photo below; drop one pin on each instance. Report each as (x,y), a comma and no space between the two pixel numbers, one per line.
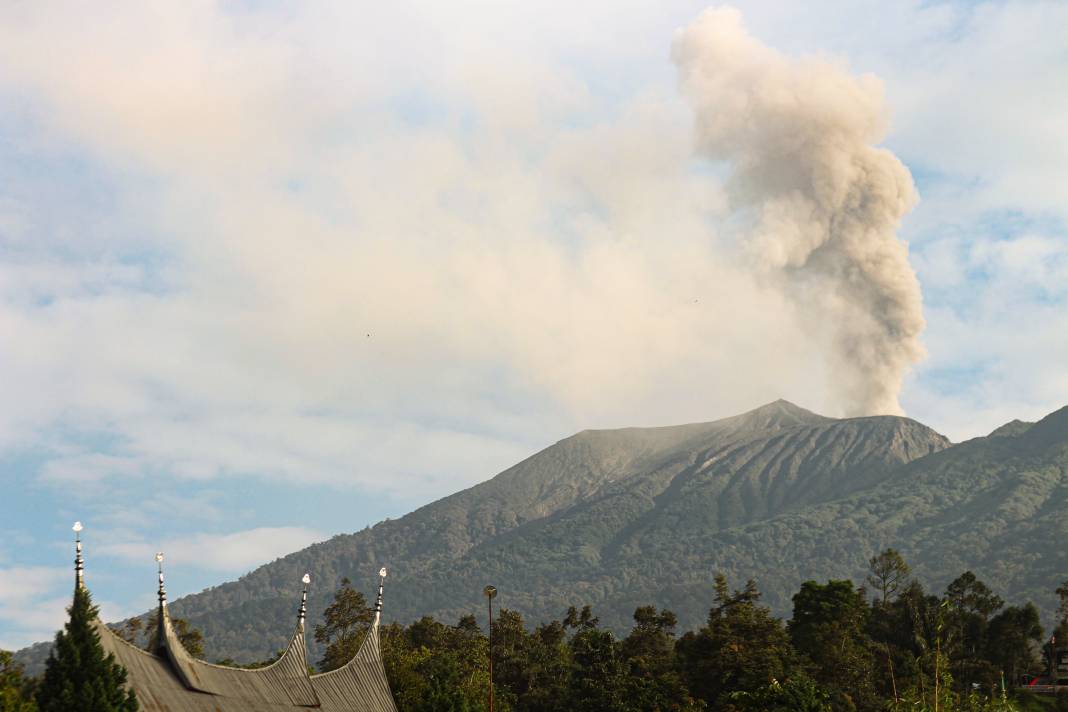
(557,528)
(621,518)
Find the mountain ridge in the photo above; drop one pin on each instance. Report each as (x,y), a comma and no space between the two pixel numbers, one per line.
(631,516)
(578,501)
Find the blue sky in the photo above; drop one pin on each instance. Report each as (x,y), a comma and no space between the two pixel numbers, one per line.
(272,271)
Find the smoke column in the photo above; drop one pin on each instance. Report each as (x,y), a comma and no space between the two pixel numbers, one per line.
(821,203)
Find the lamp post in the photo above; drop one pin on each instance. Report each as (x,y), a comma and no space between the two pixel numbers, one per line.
(490,592)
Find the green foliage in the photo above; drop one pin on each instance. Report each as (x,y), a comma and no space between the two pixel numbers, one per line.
(971,604)
(78,676)
(837,654)
(741,648)
(888,573)
(432,666)
(16,690)
(829,629)
(1061,630)
(798,694)
(1013,638)
(344,625)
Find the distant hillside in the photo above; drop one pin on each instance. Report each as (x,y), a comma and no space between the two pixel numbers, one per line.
(621,518)
(556,528)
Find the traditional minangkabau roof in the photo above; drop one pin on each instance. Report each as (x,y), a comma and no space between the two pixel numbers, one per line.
(168,679)
(362,676)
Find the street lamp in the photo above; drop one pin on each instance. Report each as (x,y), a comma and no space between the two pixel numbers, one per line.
(490,592)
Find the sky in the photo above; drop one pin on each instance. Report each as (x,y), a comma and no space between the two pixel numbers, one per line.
(272,271)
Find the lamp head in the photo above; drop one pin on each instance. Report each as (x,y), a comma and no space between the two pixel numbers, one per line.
(490,592)
(382,572)
(159,557)
(77,527)
(306,579)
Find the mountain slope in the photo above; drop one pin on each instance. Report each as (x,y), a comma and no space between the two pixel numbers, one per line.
(621,518)
(577,522)
(996,505)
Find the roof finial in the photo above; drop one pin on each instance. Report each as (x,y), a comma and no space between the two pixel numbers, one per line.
(304,601)
(79,563)
(378,601)
(162,591)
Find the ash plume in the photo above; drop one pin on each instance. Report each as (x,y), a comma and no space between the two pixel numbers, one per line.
(821,203)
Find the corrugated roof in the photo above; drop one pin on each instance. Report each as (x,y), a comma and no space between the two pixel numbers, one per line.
(173,681)
(363,678)
(283,682)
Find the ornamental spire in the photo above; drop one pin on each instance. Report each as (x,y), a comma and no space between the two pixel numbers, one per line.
(79,563)
(303,612)
(378,601)
(162,590)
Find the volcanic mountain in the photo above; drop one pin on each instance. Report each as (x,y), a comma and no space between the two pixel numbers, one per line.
(614,518)
(622,518)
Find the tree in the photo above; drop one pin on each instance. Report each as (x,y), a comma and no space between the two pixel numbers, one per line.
(1061,630)
(828,628)
(971,604)
(510,648)
(742,648)
(78,676)
(16,690)
(598,673)
(345,622)
(653,681)
(432,666)
(549,662)
(444,675)
(1014,634)
(888,573)
(585,619)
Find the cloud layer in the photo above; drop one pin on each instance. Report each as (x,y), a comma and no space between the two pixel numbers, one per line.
(362,290)
(366,252)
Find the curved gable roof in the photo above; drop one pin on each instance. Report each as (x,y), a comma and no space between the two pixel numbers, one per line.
(362,678)
(285,681)
(169,679)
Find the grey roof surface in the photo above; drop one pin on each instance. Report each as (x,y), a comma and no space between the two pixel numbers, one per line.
(363,679)
(170,680)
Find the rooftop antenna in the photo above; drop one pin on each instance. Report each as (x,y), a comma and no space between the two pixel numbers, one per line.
(79,563)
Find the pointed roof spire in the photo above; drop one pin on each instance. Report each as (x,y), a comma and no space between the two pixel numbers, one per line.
(162,590)
(303,612)
(79,563)
(378,601)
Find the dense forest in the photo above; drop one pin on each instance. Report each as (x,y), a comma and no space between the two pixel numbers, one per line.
(884,644)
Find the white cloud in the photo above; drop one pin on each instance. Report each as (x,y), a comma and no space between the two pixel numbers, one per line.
(28,613)
(428,305)
(232,553)
(34,602)
(414,255)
